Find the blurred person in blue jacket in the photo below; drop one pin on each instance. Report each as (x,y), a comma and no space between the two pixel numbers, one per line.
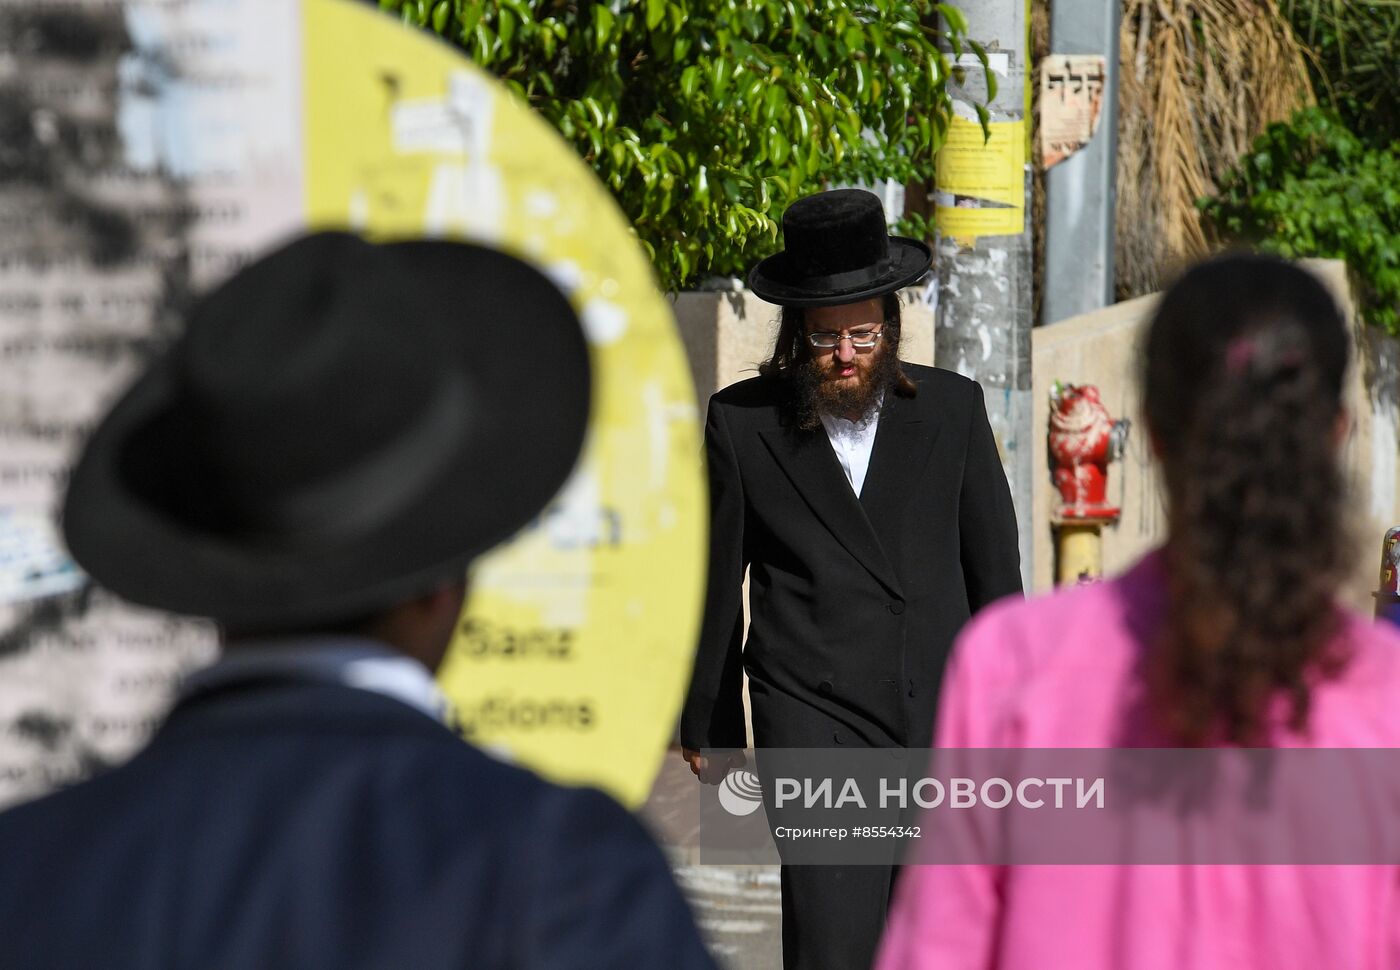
(313,465)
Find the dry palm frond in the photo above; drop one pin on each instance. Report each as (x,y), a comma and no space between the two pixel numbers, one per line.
(1177,147)
(1136,252)
(1199,80)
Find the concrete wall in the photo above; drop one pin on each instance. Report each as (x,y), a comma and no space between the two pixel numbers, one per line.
(726,335)
(1103,348)
(1373,453)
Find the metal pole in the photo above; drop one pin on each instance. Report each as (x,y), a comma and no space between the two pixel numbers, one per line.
(983,246)
(1079,192)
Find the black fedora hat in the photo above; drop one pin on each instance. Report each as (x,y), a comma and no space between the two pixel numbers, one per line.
(341,425)
(838,250)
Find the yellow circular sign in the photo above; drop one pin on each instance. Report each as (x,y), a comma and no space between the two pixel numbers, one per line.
(576,644)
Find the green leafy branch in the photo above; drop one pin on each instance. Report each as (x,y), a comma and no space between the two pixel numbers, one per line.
(1313,188)
(706,119)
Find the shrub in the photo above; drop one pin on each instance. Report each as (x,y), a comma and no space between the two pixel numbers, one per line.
(1314,188)
(707,117)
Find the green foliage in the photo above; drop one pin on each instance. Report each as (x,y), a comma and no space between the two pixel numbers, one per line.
(708,117)
(1313,188)
(1355,61)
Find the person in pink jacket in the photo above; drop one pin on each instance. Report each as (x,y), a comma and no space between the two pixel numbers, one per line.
(1228,635)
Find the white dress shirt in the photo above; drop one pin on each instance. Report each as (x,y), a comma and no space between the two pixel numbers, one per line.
(853,441)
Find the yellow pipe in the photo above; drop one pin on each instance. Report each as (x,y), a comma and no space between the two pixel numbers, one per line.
(1080,551)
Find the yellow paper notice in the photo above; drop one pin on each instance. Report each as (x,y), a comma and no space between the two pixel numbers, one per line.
(981,186)
(577,642)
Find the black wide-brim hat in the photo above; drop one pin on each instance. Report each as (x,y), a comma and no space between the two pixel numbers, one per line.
(838,250)
(342,426)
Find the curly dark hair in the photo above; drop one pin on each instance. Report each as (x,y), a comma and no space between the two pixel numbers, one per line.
(1243,375)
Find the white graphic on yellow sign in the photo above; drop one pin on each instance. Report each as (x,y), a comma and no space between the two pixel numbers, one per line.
(576,644)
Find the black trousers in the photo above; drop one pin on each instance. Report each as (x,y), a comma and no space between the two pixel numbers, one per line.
(833,916)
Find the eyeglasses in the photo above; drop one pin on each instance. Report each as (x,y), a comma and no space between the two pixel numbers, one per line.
(825,341)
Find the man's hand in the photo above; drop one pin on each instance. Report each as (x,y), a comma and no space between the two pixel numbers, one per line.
(712,769)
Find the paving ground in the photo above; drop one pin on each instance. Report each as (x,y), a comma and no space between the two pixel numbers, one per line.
(736,907)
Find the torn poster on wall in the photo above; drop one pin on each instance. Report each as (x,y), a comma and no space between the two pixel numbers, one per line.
(1071,96)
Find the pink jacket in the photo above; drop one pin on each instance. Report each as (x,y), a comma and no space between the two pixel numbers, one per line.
(1059,672)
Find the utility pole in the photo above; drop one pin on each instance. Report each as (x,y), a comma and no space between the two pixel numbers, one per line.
(1079,192)
(983,261)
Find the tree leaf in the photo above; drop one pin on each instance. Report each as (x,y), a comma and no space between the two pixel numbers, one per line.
(952,17)
(981,53)
(603,21)
(704,118)
(780,147)
(690,81)
(505,28)
(656,12)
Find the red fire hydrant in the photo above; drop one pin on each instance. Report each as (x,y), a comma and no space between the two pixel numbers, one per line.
(1083,439)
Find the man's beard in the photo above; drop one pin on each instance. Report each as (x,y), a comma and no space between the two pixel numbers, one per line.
(817,396)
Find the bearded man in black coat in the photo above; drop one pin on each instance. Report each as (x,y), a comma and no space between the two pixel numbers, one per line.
(866,499)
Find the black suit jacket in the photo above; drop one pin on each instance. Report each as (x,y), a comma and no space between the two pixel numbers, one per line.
(316,826)
(854,602)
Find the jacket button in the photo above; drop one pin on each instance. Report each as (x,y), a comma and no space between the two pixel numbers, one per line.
(824,687)
(836,736)
(896,607)
(912,691)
